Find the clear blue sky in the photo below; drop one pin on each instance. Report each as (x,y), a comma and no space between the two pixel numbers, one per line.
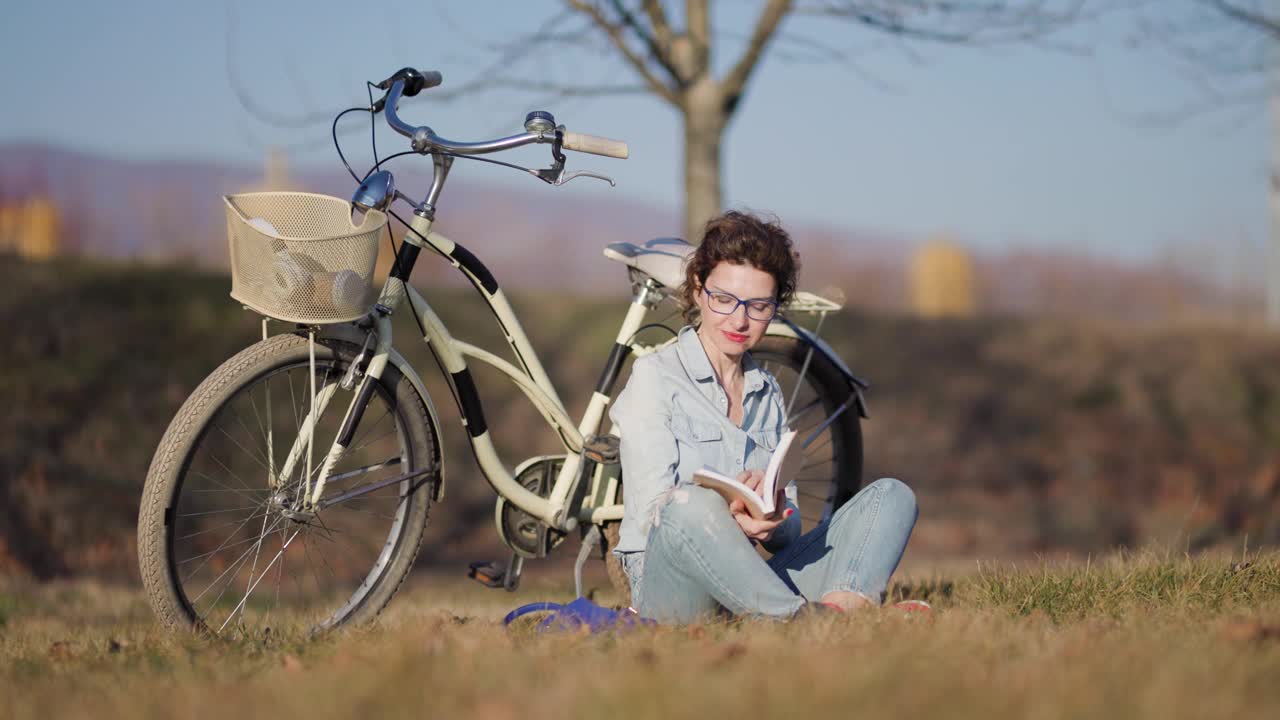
(997,146)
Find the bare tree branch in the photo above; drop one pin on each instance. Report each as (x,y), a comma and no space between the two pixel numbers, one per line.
(736,80)
(1269,24)
(950,22)
(258,111)
(820,52)
(661,28)
(1223,44)
(698,18)
(562,90)
(657,52)
(614,32)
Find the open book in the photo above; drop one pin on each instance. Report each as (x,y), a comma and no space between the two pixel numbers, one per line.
(784,464)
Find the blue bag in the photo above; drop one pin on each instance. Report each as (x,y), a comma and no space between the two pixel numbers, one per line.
(577,614)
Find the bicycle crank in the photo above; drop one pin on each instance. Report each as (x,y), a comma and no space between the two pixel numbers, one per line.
(526,535)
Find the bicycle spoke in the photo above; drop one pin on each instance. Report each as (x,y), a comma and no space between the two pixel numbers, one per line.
(293,405)
(242,492)
(266,620)
(258,455)
(816,463)
(329,531)
(386,412)
(264,427)
(804,410)
(234,565)
(255,585)
(229,471)
(368,442)
(826,441)
(220,547)
(215,512)
(212,529)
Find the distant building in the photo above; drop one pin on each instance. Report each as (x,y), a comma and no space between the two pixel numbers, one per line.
(31,228)
(942,282)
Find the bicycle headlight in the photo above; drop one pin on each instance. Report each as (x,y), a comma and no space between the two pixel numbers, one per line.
(376,192)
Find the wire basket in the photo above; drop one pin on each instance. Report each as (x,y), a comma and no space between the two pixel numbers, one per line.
(299,257)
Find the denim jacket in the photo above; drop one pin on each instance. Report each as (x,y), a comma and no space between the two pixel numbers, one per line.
(673,418)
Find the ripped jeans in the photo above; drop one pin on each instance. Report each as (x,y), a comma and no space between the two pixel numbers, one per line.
(698,562)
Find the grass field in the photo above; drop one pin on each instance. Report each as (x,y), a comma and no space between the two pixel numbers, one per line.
(1150,635)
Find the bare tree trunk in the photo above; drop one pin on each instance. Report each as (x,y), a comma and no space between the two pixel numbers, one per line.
(704,123)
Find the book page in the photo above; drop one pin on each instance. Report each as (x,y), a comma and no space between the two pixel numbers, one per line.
(731,490)
(783,467)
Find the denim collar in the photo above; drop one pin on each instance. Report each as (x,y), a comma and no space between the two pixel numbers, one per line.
(694,358)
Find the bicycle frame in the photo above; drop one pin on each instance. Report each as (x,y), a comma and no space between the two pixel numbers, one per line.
(452,355)
(530,377)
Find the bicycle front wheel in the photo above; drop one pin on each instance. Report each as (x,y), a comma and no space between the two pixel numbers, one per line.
(225,543)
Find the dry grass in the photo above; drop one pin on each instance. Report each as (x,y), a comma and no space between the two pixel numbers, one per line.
(1144,636)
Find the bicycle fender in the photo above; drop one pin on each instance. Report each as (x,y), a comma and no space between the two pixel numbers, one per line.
(354,335)
(783,327)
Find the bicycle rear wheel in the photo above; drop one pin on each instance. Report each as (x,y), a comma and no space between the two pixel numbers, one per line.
(222,543)
(832,471)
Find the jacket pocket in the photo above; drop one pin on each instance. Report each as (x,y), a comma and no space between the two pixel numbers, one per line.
(692,430)
(766,440)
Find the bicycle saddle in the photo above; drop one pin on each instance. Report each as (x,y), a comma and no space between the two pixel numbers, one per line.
(662,259)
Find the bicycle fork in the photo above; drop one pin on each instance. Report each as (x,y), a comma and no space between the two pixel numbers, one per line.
(302,449)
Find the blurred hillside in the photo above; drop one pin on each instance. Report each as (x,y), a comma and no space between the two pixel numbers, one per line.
(1020,435)
(533,237)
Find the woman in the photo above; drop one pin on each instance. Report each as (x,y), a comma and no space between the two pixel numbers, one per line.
(702,401)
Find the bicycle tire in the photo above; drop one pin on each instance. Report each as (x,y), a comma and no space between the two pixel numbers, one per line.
(840,480)
(179,480)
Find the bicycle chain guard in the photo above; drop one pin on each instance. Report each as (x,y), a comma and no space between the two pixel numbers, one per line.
(520,531)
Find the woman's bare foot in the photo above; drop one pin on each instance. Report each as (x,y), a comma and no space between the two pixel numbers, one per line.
(846,600)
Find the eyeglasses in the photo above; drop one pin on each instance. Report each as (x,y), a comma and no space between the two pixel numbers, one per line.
(727,304)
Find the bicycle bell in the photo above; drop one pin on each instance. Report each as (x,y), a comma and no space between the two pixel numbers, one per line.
(376,192)
(539,121)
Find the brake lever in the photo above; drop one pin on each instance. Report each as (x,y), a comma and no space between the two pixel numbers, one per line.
(555,175)
(583,173)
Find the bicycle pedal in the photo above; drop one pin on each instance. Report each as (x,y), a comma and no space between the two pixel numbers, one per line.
(602,449)
(487,574)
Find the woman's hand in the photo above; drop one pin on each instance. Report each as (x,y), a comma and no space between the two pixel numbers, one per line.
(760,530)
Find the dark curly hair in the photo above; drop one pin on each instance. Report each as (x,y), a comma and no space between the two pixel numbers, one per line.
(742,239)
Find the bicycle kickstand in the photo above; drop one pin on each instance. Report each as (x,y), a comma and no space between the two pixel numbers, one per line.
(589,542)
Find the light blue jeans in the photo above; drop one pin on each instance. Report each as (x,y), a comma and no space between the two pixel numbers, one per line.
(697,562)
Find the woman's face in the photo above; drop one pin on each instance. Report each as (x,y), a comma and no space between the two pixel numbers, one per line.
(735,333)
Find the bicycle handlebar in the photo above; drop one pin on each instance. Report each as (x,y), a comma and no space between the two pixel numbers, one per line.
(415,81)
(409,82)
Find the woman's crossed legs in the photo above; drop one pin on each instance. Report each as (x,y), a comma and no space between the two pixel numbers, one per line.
(698,561)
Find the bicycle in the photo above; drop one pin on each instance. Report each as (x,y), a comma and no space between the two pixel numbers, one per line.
(297,478)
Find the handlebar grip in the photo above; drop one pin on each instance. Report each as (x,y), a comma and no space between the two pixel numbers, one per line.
(415,81)
(431,78)
(596,145)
